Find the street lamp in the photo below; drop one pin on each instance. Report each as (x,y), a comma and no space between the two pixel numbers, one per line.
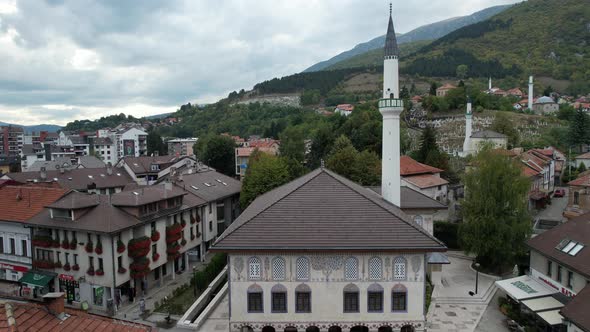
(476,265)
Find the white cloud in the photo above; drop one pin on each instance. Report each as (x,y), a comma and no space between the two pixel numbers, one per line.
(139,57)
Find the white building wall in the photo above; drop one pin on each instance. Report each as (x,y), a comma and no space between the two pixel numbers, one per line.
(13,264)
(538,264)
(327,281)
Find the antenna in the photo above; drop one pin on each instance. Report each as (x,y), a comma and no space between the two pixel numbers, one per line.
(322,163)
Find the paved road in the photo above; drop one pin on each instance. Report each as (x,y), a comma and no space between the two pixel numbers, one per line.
(492,320)
(555,210)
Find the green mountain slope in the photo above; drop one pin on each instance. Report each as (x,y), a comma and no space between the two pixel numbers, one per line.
(540,37)
(426,32)
(374,58)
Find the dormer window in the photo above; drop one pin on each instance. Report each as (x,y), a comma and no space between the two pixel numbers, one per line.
(155,167)
(61,214)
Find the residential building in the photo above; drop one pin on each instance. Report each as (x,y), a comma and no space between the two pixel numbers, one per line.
(443,90)
(130,141)
(115,247)
(559,271)
(18,204)
(545,105)
(11,140)
(583,159)
(52,315)
(344,109)
(480,138)
(322,252)
(31,153)
(66,163)
(578,196)
(181,146)
(267,145)
(105,149)
(423,178)
(146,170)
(107,180)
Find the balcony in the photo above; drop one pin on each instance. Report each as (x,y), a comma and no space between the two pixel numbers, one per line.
(391,103)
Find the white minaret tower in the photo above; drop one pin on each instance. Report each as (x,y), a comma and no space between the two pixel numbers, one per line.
(490,84)
(391,107)
(468,128)
(530,92)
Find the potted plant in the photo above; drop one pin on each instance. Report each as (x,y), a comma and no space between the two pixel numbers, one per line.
(65,244)
(98,249)
(57,265)
(120,246)
(155,236)
(99,272)
(90,271)
(89,247)
(155,256)
(76,267)
(67,267)
(73,244)
(122,270)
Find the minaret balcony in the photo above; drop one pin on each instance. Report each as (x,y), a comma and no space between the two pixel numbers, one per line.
(391,102)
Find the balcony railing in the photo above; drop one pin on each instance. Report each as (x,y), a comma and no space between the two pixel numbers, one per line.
(391,103)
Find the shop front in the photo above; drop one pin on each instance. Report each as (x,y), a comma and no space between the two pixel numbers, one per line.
(37,283)
(12,272)
(70,286)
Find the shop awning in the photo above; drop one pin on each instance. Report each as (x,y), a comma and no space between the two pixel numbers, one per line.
(524,287)
(37,278)
(543,303)
(552,317)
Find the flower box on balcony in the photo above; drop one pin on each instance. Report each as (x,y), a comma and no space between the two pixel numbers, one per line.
(67,267)
(89,247)
(120,246)
(98,249)
(90,271)
(76,267)
(139,247)
(99,272)
(155,236)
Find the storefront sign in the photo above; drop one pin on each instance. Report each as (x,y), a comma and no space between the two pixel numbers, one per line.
(66,277)
(552,283)
(14,267)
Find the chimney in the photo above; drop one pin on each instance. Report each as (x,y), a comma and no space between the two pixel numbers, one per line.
(391,107)
(55,303)
(531,92)
(109,168)
(43,174)
(156,153)
(168,184)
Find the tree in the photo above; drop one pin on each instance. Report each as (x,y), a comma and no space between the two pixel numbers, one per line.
(581,168)
(433,88)
(265,172)
(404,93)
(321,144)
(219,152)
(579,129)
(361,167)
(496,222)
(503,125)
(156,144)
(292,144)
(548,91)
(462,71)
(413,89)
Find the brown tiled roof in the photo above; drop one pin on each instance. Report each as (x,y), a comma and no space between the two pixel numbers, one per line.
(409,166)
(324,211)
(76,200)
(142,164)
(584,156)
(577,311)
(145,195)
(426,180)
(577,229)
(36,317)
(220,185)
(77,179)
(411,199)
(581,181)
(82,162)
(19,203)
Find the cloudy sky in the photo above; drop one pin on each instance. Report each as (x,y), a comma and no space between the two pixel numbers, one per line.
(64,60)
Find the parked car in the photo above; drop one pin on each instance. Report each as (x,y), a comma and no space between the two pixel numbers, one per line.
(559,193)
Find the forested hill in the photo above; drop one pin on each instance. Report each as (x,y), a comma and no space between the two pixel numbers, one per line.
(540,37)
(426,32)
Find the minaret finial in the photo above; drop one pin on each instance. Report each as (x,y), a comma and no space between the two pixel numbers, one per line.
(390,6)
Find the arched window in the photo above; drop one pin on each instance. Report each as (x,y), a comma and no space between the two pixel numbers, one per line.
(375,268)
(351,269)
(255,298)
(399,268)
(375,298)
(278,298)
(302,298)
(351,298)
(419,220)
(399,298)
(278,268)
(254,268)
(302,268)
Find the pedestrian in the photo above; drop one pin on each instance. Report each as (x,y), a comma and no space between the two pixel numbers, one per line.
(142,305)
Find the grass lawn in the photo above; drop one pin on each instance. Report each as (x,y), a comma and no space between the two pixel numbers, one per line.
(179,302)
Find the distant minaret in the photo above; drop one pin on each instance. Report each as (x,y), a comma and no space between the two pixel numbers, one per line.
(468,115)
(490,84)
(530,92)
(391,107)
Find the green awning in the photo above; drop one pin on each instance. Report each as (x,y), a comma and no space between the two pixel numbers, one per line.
(37,278)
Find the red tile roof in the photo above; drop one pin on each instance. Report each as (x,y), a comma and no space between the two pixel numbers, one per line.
(409,166)
(584,156)
(263,143)
(19,203)
(581,181)
(36,317)
(345,107)
(426,180)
